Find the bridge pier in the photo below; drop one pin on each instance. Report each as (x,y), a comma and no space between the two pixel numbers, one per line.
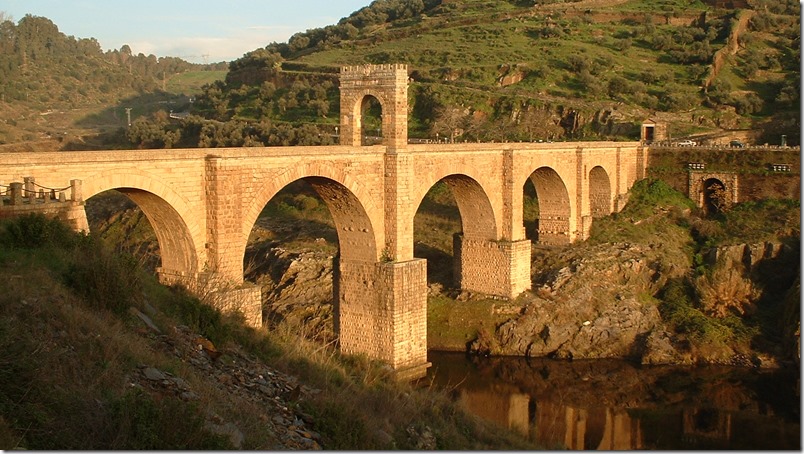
(382,313)
(500,268)
(229,297)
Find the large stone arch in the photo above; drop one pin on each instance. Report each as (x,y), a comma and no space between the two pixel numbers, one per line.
(358,221)
(555,207)
(600,199)
(175,224)
(389,85)
(478,219)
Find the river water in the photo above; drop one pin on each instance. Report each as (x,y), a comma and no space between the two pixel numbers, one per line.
(610,404)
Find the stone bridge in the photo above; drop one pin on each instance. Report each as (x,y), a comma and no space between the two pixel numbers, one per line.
(203,204)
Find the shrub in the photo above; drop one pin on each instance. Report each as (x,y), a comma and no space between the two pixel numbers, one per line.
(105,280)
(199,317)
(725,291)
(678,310)
(37,230)
(648,195)
(140,422)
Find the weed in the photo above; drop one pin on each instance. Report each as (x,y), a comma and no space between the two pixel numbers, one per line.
(140,422)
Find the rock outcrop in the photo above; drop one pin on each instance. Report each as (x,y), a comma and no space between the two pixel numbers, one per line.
(599,304)
(595,307)
(297,289)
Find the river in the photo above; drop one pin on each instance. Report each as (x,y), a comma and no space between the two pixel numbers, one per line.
(611,404)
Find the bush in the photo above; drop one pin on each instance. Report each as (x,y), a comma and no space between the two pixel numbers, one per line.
(199,317)
(37,230)
(105,280)
(648,195)
(678,310)
(140,422)
(725,291)
(340,427)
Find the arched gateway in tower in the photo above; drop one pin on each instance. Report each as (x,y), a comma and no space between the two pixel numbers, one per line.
(388,84)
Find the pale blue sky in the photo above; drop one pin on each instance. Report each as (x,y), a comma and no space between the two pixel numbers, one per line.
(225,30)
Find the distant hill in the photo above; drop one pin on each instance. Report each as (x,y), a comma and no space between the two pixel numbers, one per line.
(592,67)
(524,70)
(51,81)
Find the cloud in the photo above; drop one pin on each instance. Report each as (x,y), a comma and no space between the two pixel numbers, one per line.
(217,48)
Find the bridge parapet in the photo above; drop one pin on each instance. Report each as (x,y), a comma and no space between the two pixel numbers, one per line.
(31,193)
(66,203)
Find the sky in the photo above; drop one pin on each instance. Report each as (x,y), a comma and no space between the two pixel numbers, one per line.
(189,29)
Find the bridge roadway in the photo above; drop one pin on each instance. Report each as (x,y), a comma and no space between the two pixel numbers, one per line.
(203,204)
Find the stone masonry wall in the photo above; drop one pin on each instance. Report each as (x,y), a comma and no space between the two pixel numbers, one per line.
(499,268)
(382,311)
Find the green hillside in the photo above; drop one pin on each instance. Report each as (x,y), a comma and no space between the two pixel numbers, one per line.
(490,70)
(524,70)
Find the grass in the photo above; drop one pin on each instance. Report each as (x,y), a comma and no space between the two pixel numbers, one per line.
(68,354)
(190,82)
(451,324)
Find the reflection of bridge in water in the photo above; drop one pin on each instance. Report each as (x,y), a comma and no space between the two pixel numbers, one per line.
(203,203)
(555,425)
(616,405)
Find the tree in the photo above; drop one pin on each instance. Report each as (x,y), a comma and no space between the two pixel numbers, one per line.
(539,124)
(449,122)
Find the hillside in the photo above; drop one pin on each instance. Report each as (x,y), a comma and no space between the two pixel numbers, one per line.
(58,91)
(94,354)
(518,70)
(480,70)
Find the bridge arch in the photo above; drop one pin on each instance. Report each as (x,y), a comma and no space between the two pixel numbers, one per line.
(600,199)
(357,219)
(175,225)
(554,207)
(477,214)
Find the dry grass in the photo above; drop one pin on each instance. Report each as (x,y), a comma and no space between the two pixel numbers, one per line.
(725,291)
(68,371)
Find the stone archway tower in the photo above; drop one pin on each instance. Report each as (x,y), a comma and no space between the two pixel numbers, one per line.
(387,83)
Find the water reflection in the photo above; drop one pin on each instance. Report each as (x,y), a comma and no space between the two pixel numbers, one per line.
(615,405)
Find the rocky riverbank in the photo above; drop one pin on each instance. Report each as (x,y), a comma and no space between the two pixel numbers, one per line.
(588,301)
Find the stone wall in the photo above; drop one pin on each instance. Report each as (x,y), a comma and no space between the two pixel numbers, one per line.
(499,268)
(753,168)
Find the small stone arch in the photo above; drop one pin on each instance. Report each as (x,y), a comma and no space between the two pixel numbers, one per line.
(389,85)
(599,192)
(553,223)
(700,189)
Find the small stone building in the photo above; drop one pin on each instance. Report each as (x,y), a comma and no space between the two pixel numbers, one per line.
(653,131)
